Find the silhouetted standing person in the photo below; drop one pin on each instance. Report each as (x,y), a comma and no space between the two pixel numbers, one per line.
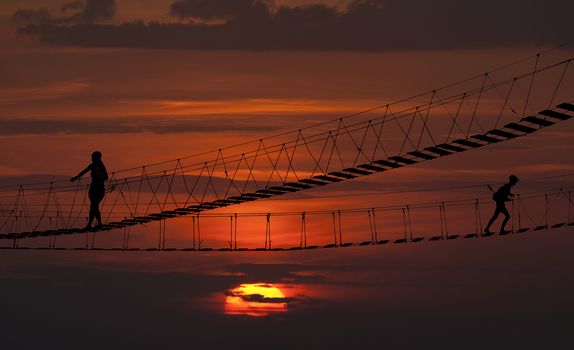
(501,196)
(97,190)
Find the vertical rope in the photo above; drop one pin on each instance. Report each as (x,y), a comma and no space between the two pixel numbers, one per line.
(54,237)
(232,179)
(303,239)
(404,223)
(268,231)
(50,228)
(379,136)
(274,164)
(230,232)
(375,226)
(408,132)
(425,123)
(193,230)
(235,233)
(360,146)
(250,174)
(476,105)
(333,148)
(291,157)
(559,83)
(340,228)
(371,227)
(505,103)
(456,118)
(334,228)
(15,242)
(159,238)
(124,234)
(162,224)
(310,153)
(531,84)
(198,233)
(128,237)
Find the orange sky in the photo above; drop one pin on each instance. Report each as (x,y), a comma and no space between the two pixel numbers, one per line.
(232,97)
(261,94)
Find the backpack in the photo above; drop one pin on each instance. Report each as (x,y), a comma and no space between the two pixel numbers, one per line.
(499,196)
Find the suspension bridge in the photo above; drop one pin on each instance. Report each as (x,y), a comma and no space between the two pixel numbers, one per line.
(502,105)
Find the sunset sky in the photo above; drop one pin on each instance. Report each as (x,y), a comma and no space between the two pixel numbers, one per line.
(145,81)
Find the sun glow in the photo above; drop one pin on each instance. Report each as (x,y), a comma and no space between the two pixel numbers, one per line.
(255,299)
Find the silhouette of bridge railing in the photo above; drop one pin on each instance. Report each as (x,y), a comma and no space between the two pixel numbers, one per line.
(504,104)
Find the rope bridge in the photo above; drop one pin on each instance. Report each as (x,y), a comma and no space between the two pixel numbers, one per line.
(533,212)
(501,105)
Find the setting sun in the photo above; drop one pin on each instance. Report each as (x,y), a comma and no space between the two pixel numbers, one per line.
(255,299)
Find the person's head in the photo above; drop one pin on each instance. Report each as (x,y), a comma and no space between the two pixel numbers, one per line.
(96,156)
(512,180)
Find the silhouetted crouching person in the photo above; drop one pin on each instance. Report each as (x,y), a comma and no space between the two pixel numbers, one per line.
(501,196)
(97,190)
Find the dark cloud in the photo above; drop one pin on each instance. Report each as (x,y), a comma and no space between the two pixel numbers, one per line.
(365,25)
(73,5)
(221,9)
(71,13)
(98,10)
(33,16)
(258,298)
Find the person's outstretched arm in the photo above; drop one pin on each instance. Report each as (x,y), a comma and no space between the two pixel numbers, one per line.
(82,173)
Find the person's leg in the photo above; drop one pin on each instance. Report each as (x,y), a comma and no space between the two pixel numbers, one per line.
(504,211)
(93,209)
(97,214)
(493,219)
(97,200)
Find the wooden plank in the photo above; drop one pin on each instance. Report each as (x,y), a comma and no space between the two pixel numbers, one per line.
(342,175)
(388,164)
(538,121)
(439,151)
(371,167)
(327,178)
(358,171)
(468,143)
(502,133)
(450,147)
(566,106)
(555,115)
(519,127)
(486,138)
(403,160)
(421,155)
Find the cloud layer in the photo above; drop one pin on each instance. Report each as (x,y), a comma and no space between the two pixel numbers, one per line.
(70,13)
(364,25)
